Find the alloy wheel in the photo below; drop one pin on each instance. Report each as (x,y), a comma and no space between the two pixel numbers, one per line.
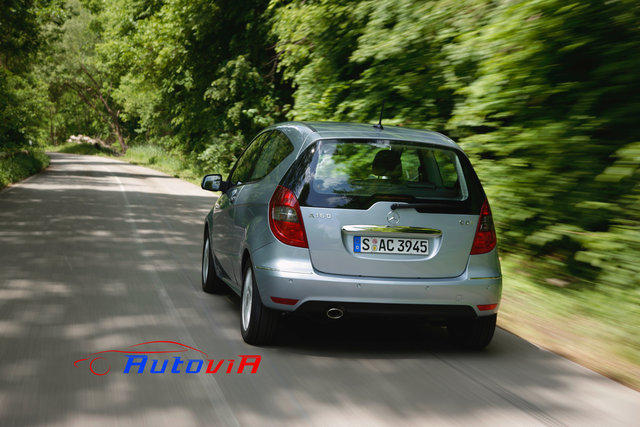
(205,261)
(247,297)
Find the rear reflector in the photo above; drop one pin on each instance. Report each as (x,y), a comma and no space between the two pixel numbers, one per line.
(485,238)
(285,218)
(487,307)
(285,301)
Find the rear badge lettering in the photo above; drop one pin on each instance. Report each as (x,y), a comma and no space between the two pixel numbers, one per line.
(321,215)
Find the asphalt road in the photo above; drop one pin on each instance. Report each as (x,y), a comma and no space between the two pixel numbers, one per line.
(97,254)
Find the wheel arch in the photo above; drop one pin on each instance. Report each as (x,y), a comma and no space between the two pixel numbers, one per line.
(246,257)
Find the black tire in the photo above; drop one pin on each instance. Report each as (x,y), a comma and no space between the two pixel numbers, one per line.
(211,283)
(262,323)
(472,334)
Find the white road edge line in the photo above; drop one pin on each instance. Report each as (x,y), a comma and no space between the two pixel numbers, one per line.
(212,388)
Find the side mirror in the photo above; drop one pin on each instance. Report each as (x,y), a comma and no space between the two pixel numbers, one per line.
(212,182)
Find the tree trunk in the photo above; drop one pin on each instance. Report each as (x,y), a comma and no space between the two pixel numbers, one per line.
(114,116)
(51,129)
(118,133)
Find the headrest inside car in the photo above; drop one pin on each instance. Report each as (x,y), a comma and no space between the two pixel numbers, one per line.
(387,163)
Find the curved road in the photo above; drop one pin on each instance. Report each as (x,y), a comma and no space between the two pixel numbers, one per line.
(96,254)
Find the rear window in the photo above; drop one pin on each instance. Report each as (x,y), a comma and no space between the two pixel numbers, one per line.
(357,173)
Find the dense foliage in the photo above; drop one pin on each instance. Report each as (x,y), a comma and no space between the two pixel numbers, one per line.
(23,33)
(26,27)
(543,94)
(19,165)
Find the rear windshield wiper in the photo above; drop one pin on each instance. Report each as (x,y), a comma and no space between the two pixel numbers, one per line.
(412,205)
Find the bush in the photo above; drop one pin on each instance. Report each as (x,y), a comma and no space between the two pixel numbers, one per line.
(19,165)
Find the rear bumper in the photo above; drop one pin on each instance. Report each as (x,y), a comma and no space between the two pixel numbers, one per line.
(357,309)
(386,296)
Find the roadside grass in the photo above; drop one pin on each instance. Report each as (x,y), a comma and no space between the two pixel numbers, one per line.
(19,165)
(158,158)
(597,327)
(148,155)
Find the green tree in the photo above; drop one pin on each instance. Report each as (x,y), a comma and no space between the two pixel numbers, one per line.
(24,27)
(193,74)
(553,98)
(73,67)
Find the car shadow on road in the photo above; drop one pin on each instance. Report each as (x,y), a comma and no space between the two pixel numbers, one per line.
(373,335)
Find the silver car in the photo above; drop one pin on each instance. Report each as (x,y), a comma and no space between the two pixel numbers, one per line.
(339,220)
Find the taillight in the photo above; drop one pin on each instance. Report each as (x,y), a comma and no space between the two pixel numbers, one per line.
(285,218)
(484,307)
(485,239)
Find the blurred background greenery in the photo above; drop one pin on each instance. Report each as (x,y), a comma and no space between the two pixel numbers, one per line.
(544,95)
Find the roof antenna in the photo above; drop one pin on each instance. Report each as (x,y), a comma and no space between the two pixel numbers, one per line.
(379,125)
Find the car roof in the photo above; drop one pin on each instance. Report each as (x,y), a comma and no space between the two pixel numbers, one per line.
(305,133)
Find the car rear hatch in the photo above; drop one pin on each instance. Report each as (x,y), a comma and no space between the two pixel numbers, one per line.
(352,192)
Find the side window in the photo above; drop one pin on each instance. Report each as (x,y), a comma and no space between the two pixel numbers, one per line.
(245,165)
(274,150)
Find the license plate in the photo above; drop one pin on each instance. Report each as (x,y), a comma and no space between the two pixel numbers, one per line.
(390,245)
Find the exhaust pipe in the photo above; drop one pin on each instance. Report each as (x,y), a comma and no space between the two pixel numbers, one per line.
(335,313)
